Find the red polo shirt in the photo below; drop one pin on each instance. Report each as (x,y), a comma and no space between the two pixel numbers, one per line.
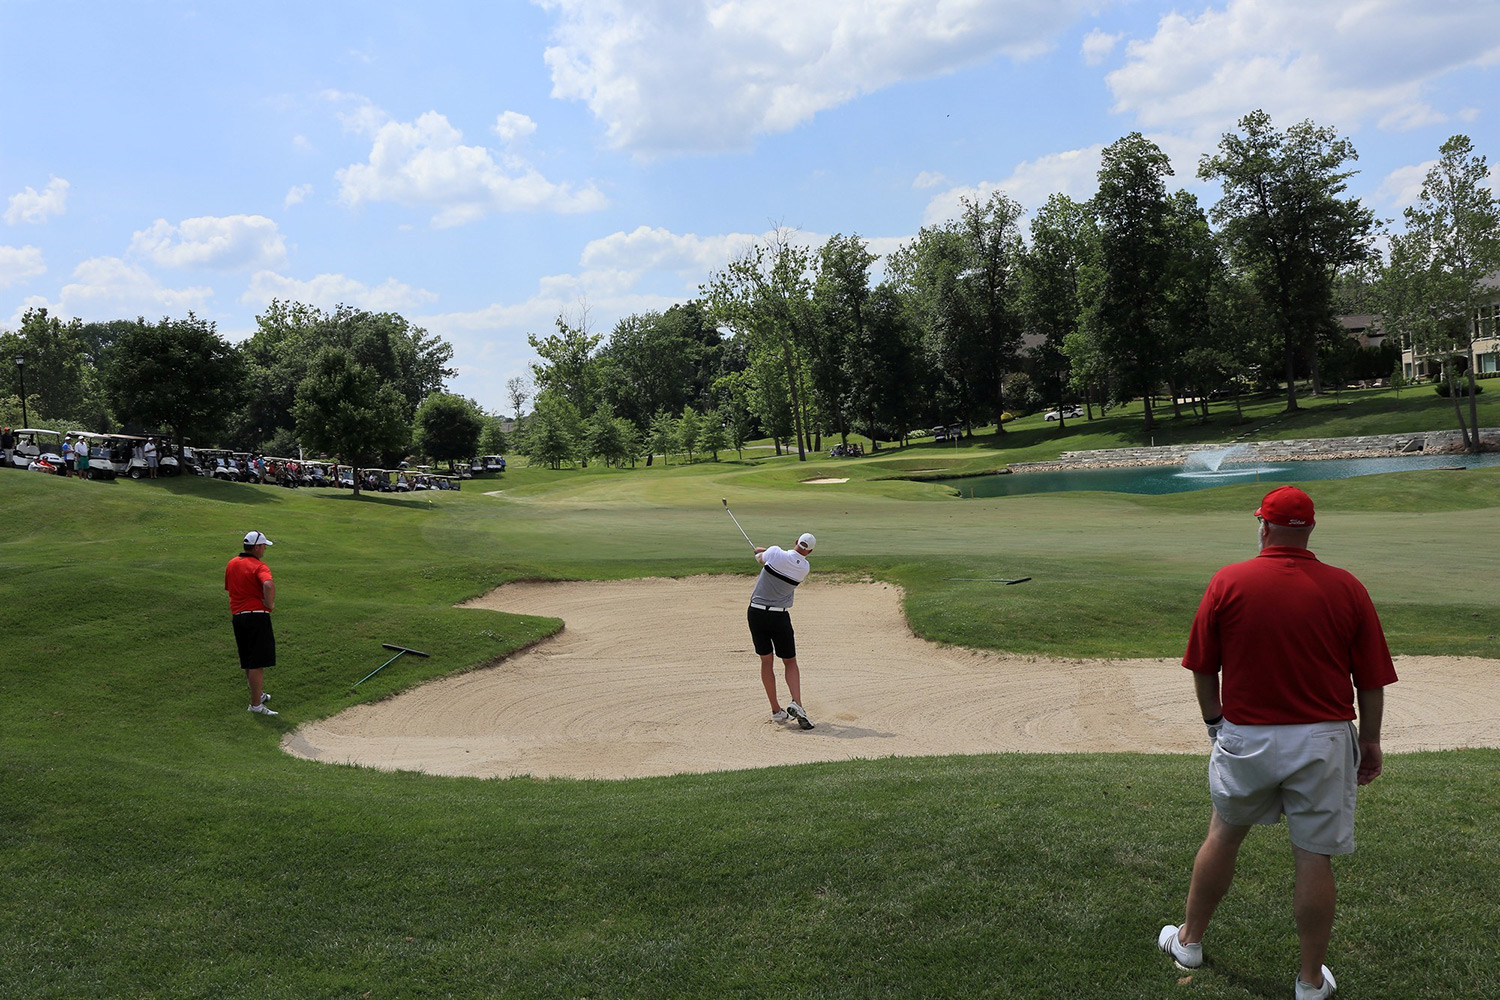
(242,578)
(1294,638)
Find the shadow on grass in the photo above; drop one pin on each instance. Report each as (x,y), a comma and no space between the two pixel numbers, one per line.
(209,489)
(388,501)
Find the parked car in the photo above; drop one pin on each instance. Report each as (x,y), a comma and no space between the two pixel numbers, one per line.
(1070,412)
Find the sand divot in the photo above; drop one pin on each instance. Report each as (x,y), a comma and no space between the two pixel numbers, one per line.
(654,677)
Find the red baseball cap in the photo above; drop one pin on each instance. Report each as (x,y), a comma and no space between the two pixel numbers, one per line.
(1288,507)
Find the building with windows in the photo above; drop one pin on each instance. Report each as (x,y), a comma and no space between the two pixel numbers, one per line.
(1484,329)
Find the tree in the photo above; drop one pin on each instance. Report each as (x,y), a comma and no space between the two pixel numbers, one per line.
(603,437)
(60,382)
(492,439)
(714,434)
(518,391)
(177,374)
(840,301)
(763,295)
(662,437)
(1288,225)
(1435,282)
(448,427)
(689,428)
(1064,243)
(347,410)
(553,432)
(1130,311)
(568,367)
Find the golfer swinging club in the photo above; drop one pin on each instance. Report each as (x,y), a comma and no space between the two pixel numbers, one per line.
(771,622)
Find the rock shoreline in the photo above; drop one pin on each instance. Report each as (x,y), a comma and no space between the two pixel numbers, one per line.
(1293,450)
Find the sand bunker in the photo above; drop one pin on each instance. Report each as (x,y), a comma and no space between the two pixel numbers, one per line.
(821,482)
(656,677)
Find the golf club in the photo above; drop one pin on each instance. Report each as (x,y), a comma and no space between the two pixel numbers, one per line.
(725,502)
(987,579)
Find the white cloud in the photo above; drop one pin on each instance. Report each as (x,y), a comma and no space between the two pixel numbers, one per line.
(425,164)
(513,125)
(927,179)
(1073,172)
(329,290)
(230,242)
(111,288)
(296,195)
(1097,45)
(669,76)
(19,263)
(1338,63)
(38,206)
(1403,186)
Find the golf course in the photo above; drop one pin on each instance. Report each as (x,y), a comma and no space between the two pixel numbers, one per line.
(156,840)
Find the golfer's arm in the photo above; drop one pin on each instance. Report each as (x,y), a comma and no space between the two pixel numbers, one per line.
(1206,687)
(268,594)
(1371,714)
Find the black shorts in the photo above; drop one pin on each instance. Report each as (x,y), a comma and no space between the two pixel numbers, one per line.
(772,632)
(256,642)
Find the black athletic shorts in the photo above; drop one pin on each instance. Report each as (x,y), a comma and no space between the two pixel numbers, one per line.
(256,642)
(772,632)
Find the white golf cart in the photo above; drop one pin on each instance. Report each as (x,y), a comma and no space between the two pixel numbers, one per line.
(493,463)
(33,443)
(103,463)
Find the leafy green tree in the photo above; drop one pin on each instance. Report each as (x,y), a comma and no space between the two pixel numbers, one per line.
(689,428)
(840,299)
(632,441)
(448,427)
(885,368)
(492,437)
(568,365)
(662,437)
(763,295)
(1130,310)
(553,431)
(290,334)
(714,435)
(1195,270)
(178,375)
(1436,278)
(1064,244)
(60,381)
(1287,223)
(346,410)
(603,437)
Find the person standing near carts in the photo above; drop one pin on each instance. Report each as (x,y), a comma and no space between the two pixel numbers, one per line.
(1298,645)
(770,622)
(252,598)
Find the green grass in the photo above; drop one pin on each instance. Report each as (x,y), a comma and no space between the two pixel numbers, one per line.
(155,842)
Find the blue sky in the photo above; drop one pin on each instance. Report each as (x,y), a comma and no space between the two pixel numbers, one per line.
(483,167)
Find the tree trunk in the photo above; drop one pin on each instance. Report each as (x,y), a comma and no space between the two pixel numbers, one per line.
(1473,401)
(1458,410)
(791,381)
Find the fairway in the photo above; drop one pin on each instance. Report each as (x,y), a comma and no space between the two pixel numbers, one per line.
(656,677)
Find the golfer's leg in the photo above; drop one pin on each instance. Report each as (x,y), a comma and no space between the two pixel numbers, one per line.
(257,679)
(1213,872)
(768,678)
(793,679)
(1313,902)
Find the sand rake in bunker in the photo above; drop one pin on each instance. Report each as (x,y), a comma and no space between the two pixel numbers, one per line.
(400,652)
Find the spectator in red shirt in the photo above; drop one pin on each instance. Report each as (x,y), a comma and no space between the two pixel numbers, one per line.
(252,598)
(1297,643)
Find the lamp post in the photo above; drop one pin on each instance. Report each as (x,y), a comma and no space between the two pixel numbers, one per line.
(21,368)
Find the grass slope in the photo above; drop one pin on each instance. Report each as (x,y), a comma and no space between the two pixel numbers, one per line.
(154,842)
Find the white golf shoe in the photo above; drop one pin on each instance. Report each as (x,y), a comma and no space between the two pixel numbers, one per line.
(1186,956)
(262,710)
(1306,992)
(779,716)
(795,711)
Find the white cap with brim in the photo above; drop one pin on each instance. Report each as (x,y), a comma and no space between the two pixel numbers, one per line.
(253,538)
(807,541)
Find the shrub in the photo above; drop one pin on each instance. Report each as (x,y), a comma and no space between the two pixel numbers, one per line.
(1441,388)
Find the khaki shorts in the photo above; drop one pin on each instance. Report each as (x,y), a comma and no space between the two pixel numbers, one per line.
(1307,772)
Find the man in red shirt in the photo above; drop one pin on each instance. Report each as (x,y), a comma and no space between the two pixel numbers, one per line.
(252,597)
(1298,643)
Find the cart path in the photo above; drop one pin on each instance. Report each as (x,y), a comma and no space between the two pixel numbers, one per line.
(654,677)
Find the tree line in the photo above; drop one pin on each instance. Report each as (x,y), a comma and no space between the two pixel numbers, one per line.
(1136,293)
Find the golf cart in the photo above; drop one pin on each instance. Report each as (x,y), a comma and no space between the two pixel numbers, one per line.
(105,461)
(493,463)
(34,442)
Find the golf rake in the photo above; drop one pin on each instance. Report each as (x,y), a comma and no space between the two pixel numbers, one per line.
(987,579)
(725,502)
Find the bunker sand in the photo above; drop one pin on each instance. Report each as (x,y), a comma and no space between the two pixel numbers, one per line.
(654,677)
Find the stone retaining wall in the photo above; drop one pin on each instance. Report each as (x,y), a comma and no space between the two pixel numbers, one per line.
(1305,449)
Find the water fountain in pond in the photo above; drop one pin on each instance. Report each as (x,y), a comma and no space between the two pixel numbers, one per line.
(1210,464)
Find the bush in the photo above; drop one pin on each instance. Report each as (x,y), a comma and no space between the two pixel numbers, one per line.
(1463,387)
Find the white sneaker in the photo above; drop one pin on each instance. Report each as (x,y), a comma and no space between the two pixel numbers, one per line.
(795,711)
(1306,992)
(1187,956)
(264,697)
(262,710)
(779,716)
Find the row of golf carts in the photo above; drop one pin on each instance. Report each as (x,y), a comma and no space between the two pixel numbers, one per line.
(115,455)
(110,455)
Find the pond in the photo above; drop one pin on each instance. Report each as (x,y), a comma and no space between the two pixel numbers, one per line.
(1179,479)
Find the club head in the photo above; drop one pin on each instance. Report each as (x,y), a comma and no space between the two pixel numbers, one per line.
(724,501)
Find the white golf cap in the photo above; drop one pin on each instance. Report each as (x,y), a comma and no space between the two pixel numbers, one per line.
(256,538)
(807,541)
